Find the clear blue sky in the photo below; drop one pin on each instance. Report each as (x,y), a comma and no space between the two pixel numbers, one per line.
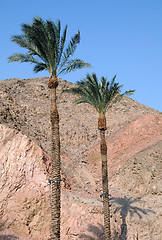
(122,37)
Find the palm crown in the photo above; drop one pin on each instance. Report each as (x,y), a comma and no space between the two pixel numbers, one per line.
(46,47)
(98,94)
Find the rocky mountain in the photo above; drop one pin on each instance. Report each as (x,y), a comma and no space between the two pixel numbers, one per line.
(134,140)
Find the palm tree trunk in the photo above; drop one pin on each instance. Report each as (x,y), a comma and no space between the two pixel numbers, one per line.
(103,149)
(55,154)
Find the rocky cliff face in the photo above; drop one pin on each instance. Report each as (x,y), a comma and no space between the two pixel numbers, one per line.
(24,186)
(134,139)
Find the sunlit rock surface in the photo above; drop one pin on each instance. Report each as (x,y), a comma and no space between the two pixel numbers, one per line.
(134,139)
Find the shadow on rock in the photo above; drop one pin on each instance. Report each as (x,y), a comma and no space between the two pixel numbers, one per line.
(95,232)
(2,226)
(6,237)
(125,207)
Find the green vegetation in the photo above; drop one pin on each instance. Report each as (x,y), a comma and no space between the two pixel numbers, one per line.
(101,95)
(46,50)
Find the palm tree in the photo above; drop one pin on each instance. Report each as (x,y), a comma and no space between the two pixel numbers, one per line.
(101,96)
(46,50)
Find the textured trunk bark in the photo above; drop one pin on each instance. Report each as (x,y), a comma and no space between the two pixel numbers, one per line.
(103,148)
(55,154)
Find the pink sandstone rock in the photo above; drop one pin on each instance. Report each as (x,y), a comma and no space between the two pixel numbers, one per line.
(25,194)
(24,199)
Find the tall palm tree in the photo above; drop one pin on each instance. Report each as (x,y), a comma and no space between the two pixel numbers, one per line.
(101,95)
(46,49)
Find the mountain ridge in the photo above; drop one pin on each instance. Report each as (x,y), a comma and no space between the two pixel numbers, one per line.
(134,137)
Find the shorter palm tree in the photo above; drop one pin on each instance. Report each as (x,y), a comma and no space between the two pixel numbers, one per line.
(101,95)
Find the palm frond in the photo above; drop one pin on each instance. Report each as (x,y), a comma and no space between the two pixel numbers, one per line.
(62,44)
(53,32)
(20,57)
(69,51)
(84,93)
(128,93)
(32,48)
(73,65)
(40,67)
(46,47)
(98,94)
